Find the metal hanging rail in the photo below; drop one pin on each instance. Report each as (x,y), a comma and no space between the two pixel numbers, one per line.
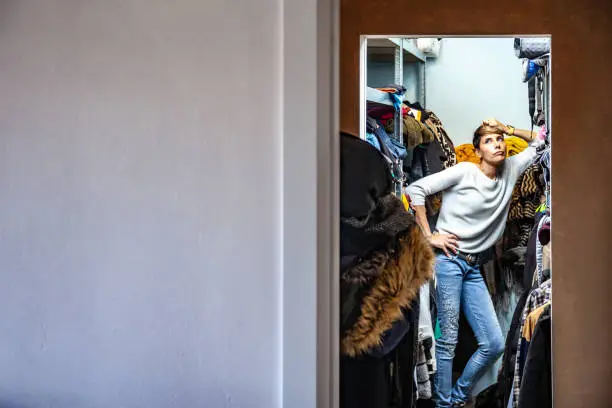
(399,80)
(403,50)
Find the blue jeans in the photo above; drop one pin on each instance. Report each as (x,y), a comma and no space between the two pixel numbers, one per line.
(460,285)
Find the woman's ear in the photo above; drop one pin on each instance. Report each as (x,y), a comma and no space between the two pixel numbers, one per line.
(477,151)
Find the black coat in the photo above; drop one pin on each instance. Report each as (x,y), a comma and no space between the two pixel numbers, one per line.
(507,371)
(385,259)
(377,380)
(536,384)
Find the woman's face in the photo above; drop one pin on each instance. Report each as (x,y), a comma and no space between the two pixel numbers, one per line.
(492,149)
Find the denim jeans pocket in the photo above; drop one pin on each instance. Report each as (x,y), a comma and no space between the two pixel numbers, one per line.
(441,256)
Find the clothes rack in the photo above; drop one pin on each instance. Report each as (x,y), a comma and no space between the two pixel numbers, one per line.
(401,50)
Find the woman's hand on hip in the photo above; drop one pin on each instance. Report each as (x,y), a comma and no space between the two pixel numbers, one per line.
(446,242)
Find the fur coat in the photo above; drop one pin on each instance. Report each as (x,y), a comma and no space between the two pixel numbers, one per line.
(385,258)
(379,287)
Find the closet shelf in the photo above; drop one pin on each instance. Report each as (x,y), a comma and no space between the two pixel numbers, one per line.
(410,48)
(376,96)
(384,48)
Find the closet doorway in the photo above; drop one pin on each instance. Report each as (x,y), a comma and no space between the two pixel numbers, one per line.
(446,212)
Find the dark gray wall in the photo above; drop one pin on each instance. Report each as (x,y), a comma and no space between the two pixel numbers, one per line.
(140,203)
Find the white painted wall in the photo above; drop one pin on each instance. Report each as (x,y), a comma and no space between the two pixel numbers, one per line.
(140,204)
(474,79)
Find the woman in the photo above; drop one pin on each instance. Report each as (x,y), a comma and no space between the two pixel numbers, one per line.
(475,205)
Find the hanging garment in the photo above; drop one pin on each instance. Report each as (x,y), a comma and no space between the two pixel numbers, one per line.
(430,158)
(405,367)
(526,197)
(539,118)
(373,140)
(423,375)
(427,159)
(384,259)
(544,233)
(435,124)
(546,258)
(396,149)
(532,320)
(364,382)
(532,67)
(364,176)
(536,386)
(382,380)
(506,375)
(414,132)
(417,114)
(376,288)
(489,398)
(531,94)
(515,145)
(467,151)
(540,253)
(405,202)
(392,151)
(434,154)
(545,162)
(492,268)
(387,256)
(530,258)
(537,298)
(425,317)
(528,329)
(426,362)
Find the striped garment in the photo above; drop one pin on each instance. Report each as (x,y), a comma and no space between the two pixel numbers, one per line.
(538,297)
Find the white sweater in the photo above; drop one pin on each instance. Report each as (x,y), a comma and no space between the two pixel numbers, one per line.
(474,207)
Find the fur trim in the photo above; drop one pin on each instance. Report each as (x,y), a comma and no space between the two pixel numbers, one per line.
(367,270)
(394,289)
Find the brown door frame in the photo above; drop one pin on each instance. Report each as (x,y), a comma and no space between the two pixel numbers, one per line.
(582,33)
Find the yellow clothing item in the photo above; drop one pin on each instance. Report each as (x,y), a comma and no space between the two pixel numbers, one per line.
(515,145)
(466,152)
(405,201)
(532,320)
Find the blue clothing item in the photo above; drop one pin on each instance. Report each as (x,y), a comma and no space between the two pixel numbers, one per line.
(461,285)
(396,98)
(373,140)
(396,150)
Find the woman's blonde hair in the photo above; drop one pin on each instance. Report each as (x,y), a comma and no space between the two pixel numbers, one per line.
(484,130)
